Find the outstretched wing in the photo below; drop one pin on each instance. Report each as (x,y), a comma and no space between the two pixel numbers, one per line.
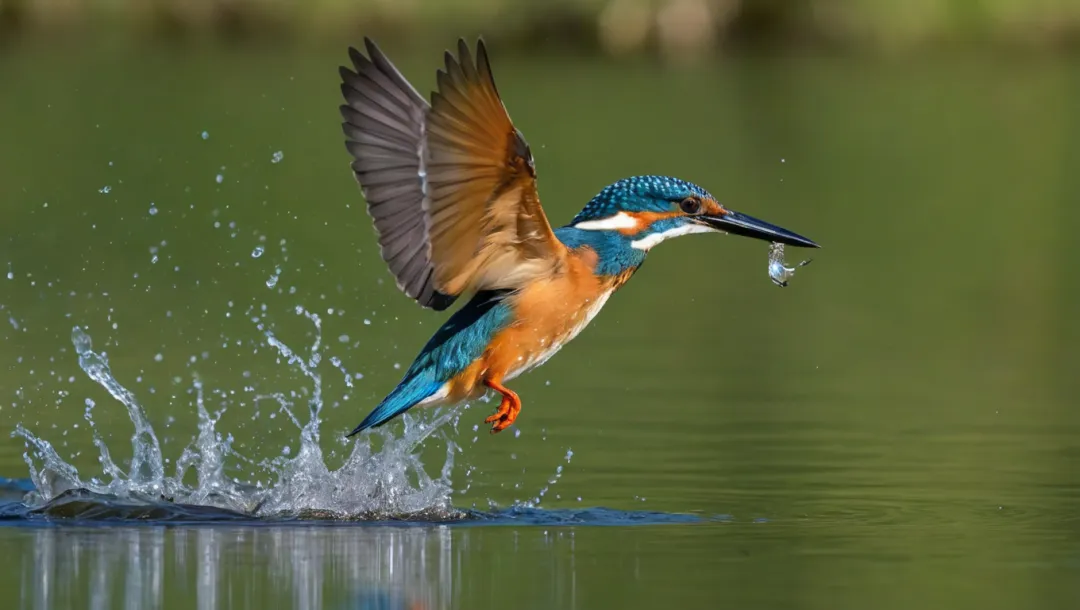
(451,186)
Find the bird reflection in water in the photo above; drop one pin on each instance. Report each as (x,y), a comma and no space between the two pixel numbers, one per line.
(216,567)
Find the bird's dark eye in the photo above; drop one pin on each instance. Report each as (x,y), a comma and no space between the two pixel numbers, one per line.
(690,205)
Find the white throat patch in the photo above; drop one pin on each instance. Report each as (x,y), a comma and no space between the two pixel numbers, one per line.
(650,240)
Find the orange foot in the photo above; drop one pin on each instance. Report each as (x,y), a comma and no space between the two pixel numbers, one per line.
(508,408)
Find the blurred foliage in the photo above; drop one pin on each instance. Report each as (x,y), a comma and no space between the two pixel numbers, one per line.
(677,28)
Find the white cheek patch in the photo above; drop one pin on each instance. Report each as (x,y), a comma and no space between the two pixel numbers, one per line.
(620,221)
(650,240)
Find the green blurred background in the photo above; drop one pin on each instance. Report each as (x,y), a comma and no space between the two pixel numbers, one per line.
(616,26)
(898,427)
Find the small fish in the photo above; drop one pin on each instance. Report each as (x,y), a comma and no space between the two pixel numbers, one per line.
(778,273)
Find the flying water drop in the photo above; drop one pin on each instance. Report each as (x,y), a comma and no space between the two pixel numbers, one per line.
(273,279)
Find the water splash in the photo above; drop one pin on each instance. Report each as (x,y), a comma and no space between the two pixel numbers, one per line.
(388,483)
(384,484)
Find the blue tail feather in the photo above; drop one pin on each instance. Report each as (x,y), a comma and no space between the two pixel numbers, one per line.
(404,397)
(458,342)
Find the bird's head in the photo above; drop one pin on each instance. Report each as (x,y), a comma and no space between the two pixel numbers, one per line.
(649,209)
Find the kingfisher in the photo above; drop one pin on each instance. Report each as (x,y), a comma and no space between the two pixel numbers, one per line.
(450,186)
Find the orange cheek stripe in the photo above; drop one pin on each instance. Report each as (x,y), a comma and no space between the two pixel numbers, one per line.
(645,220)
(714,209)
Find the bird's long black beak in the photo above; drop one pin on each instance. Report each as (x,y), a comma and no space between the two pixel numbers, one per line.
(748,226)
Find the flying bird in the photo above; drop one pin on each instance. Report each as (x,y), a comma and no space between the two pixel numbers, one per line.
(451,188)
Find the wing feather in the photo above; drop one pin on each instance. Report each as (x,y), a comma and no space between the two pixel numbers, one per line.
(450,185)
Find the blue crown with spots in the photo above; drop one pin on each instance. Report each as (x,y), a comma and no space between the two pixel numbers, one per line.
(639,194)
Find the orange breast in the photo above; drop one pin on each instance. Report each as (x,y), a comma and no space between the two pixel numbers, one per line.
(549,312)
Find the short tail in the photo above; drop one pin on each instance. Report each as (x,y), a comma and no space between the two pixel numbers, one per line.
(404,397)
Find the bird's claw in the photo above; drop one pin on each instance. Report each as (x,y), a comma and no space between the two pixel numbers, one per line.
(508,408)
(504,417)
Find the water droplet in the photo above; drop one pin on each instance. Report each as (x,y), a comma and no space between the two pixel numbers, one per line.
(367,322)
(278,156)
(257,252)
(105,189)
(343,338)
(219,178)
(158,357)
(206,135)
(153,210)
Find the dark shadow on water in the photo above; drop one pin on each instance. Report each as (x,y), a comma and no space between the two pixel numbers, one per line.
(82,508)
